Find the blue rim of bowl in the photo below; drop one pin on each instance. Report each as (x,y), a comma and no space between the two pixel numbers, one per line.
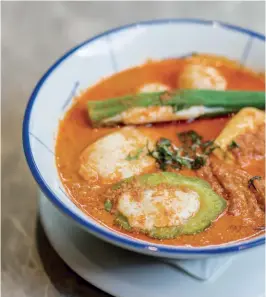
(106,234)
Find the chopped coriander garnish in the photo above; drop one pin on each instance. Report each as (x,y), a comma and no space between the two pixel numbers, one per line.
(233,145)
(108,205)
(192,154)
(136,156)
(184,161)
(252,180)
(208,147)
(198,162)
(207,144)
(163,153)
(164,141)
(189,137)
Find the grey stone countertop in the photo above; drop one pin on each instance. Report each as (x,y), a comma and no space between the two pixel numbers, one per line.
(34,35)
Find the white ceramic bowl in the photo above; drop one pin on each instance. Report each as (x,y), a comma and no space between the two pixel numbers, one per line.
(103,56)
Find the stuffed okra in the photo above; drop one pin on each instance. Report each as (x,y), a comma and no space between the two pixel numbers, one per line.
(167,106)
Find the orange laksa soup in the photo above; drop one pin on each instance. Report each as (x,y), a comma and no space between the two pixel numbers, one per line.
(170,152)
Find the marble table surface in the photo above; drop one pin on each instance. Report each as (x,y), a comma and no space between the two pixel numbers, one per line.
(34,34)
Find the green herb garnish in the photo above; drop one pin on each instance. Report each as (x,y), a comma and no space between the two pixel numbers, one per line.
(108,205)
(233,145)
(193,141)
(189,137)
(198,162)
(164,142)
(207,144)
(183,161)
(252,180)
(163,153)
(136,156)
(208,147)
(192,154)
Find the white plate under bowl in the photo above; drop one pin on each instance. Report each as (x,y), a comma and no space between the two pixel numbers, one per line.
(127,274)
(103,56)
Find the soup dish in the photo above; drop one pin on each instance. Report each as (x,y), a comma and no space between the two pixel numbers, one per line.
(159,154)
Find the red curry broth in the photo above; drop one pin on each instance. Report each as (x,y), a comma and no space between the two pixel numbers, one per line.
(75,134)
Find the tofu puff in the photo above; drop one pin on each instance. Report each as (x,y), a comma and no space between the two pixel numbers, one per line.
(163,205)
(117,156)
(243,138)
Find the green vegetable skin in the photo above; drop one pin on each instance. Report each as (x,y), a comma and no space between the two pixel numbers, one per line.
(211,204)
(226,101)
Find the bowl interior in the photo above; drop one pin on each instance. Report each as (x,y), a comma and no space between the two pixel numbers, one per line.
(103,56)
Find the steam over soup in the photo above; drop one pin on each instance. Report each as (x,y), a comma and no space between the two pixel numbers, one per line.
(170,152)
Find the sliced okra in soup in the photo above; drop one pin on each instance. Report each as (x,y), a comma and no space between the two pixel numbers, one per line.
(164,205)
(116,156)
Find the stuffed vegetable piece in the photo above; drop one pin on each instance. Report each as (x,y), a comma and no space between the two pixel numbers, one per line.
(243,138)
(163,205)
(152,107)
(116,156)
